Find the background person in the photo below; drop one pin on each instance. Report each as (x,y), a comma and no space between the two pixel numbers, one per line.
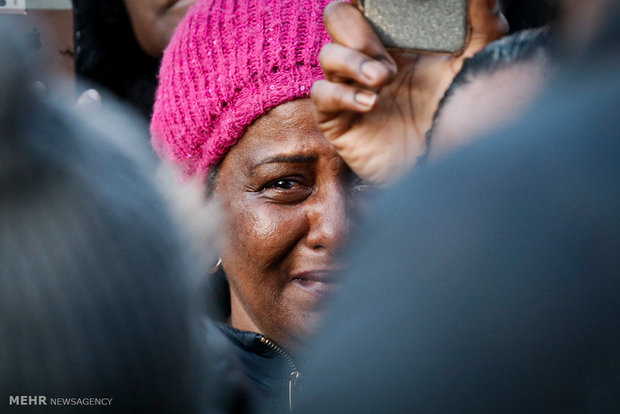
(154,21)
(119,43)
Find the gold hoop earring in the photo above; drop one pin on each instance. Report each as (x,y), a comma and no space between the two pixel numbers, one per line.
(217,266)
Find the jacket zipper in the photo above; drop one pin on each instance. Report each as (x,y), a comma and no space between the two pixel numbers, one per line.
(294,372)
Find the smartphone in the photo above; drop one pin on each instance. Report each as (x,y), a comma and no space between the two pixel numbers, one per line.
(439,26)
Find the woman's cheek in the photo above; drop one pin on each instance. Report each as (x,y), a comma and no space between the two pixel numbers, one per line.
(240,230)
(256,229)
(275,228)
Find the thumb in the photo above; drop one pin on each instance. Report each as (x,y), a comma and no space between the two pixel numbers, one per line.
(487,24)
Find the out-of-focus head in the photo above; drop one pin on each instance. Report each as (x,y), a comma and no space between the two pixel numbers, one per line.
(228,63)
(95,291)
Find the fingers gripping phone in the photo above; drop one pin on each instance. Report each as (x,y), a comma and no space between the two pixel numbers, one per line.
(419,25)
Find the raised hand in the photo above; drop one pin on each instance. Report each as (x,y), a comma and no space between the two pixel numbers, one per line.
(375,107)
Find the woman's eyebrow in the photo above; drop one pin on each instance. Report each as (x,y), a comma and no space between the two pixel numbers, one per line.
(293,159)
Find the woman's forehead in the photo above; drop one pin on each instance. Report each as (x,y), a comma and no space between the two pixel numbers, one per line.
(290,117)
(289,130)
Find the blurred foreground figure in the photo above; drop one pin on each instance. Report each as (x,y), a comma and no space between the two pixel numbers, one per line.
(94,298)
(488,281)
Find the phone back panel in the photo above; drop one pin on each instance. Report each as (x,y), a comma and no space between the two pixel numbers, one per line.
(431,25)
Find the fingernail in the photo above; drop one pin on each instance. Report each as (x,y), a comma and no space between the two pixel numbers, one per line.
(365,98)
(373,70)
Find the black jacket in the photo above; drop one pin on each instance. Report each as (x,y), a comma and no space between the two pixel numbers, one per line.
(269,373)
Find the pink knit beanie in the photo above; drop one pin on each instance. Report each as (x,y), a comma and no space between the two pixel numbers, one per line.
(228,63)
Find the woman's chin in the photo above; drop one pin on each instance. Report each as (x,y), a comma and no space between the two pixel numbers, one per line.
(303,329)
(306,302)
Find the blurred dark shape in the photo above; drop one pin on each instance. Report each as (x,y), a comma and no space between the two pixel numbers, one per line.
(108,54)
(527,14)
(488,282)
(95,289)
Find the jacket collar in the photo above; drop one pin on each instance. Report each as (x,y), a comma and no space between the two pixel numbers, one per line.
(218,309)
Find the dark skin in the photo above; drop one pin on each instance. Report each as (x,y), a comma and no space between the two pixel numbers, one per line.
(286,195)
(154,22)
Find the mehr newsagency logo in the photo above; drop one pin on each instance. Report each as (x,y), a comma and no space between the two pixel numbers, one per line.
(59,401)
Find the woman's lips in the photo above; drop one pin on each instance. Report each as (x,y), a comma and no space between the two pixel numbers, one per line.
(318,282)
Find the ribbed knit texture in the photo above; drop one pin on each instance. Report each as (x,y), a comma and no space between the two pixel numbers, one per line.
(228,63)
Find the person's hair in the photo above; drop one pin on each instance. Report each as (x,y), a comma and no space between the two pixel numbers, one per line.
(212,178)
(503,53)
(95,299)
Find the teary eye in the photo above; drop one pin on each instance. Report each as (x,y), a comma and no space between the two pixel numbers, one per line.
(283,184)
(287,190)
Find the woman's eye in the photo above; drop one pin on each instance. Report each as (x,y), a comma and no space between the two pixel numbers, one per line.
(283,184)
(287,190)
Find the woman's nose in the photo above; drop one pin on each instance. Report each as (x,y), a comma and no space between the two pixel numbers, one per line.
(329,219)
